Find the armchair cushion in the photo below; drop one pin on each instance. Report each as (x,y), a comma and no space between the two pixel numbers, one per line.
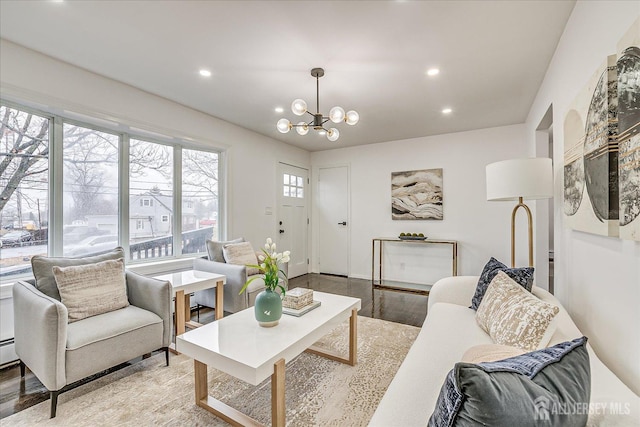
(43,269)
(241,254)
(89,290)
(214,249)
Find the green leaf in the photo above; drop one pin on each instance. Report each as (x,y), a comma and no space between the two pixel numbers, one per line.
(247,284)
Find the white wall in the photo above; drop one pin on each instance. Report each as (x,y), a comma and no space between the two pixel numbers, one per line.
(597,278)
(482,228)
(28,76)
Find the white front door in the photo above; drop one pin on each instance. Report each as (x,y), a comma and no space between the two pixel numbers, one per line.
(333,222)
(292,217)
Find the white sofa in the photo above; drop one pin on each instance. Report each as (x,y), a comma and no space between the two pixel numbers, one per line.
(449,330)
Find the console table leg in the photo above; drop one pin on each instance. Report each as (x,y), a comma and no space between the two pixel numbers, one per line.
(277,395)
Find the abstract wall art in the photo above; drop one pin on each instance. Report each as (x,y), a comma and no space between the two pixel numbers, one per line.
(416,195)
(629,133)
(602,147)
(591,155)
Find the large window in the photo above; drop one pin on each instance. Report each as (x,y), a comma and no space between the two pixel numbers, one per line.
(150,199)
(80,201)
(90,197)
(199,198)
(24,188)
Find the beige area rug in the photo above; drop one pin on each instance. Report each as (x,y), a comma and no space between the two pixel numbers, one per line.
(319,392)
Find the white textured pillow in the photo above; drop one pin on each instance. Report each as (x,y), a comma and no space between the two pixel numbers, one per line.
(490,353)
(241,254)
(92,289)
(513,316)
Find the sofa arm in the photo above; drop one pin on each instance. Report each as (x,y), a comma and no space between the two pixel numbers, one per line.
(40,328)
(233,272)
(454,290)
(152,295)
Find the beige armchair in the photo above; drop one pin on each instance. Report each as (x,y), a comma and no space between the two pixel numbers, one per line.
(60,353)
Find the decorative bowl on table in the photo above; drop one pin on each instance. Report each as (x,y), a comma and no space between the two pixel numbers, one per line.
(411,236)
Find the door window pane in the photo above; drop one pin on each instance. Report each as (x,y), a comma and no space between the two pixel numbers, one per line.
(24,189)
(90,195)
(199,200)
(150,200)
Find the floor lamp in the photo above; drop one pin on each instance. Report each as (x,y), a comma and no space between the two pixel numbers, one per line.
(520,179)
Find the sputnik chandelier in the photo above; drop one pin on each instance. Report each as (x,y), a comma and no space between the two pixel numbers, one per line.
(336,115)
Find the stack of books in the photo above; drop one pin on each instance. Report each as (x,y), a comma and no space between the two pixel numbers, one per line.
(299,301)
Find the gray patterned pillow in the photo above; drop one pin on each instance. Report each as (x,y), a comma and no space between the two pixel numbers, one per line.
(42,268)
(522,276)
(520,391)
(214,249)
(89,290)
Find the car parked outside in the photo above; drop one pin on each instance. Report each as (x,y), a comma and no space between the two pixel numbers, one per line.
(92,245)
(80,233)
(15,238)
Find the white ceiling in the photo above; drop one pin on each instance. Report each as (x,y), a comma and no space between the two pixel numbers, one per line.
(492,56)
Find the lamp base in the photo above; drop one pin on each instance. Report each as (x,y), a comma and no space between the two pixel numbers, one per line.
(513,232)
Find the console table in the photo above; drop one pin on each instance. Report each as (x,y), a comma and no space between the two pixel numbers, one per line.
(379,283)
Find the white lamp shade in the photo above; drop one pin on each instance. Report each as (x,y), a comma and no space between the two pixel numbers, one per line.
(527,178)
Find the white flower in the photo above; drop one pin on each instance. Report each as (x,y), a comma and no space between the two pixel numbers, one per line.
(273,247)
(260,258)
(286,259)
(269,241)
(267,246)
(286,253)
(263,266)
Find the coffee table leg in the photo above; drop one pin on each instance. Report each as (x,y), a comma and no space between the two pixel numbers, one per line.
(277,395)
(202,392)
(353,338)
(353,344)
(231,415)
(219,300)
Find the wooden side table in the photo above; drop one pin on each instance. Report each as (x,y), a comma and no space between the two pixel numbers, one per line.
(185,282)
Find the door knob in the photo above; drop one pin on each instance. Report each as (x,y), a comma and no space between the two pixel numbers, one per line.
(342,223)
(281,231)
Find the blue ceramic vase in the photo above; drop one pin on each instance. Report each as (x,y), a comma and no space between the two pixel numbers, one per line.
(268,308)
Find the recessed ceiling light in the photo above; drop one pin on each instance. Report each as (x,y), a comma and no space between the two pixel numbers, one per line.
(205,73)
(433,72)
(279,109)
(446,111)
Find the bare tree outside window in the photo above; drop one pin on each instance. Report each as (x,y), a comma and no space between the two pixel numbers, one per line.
(24,187)
(90,179)
(150,199)
(199,195)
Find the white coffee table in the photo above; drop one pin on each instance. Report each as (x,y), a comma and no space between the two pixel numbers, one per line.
(185,282)
(238,346)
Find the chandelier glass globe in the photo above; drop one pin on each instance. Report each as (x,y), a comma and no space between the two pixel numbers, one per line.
(299,107)
(283,125)
(333,134)
(302,128)
(352,117)
(336,114)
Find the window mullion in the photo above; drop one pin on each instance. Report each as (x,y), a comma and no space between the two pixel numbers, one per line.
(123,193)
(177,201)
(56,188)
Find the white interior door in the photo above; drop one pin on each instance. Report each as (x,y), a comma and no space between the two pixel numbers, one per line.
(293,220)
(333,221)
